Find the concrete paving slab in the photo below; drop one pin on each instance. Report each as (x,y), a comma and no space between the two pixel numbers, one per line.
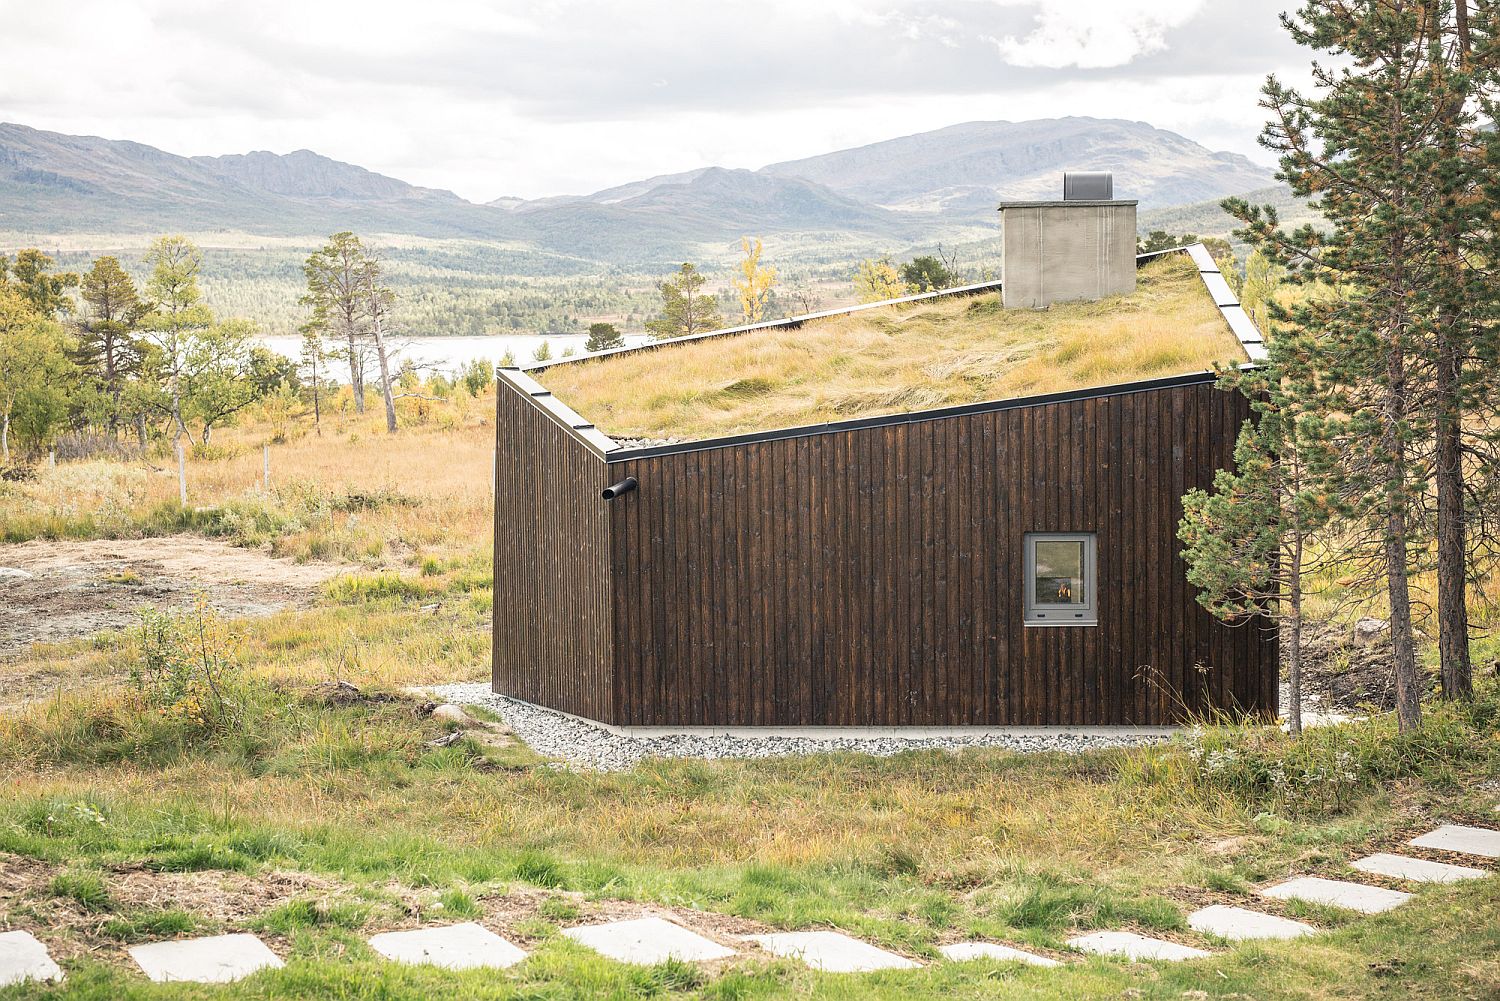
(453,947)
(647,941)
(1418,870)
(1338,893)
(23,958)
(1133,946)
(1239,924)
(219,959)
(990,950)
(832,952)
(1467,840)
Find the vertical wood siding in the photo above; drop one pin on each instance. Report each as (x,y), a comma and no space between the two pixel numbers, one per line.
(873,576)
(552,639)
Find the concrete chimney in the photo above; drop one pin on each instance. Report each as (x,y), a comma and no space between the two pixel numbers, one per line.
(1081,247)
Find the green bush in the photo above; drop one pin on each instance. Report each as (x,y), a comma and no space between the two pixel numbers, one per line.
(189,671)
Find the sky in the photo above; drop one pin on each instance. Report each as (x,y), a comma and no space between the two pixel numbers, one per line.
(541,97)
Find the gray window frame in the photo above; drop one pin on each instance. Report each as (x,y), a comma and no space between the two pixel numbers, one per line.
(1044,614)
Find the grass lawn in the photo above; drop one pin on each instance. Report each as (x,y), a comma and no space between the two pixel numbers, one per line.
(129,816)
(897,359)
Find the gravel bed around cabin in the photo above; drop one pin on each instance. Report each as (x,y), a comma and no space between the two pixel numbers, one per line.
(586,745)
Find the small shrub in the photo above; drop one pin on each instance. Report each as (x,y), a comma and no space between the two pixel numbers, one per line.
(189,670)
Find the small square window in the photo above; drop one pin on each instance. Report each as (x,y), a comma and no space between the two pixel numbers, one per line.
(1061,579)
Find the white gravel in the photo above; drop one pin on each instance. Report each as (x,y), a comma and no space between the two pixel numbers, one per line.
(588,746)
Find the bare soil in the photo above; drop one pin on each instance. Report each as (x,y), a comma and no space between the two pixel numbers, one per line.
(52,591)
(1341,676)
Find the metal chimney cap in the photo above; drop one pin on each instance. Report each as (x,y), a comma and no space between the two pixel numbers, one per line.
(1088,186)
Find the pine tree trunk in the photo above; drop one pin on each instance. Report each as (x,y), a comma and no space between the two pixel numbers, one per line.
(1456,669)
(1294,680)
(1403,643)
(1456,672)
(112,379)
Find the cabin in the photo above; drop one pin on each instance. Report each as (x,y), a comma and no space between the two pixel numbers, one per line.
(954,509)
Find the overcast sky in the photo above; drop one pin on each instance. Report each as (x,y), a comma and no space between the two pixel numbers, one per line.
(538,97)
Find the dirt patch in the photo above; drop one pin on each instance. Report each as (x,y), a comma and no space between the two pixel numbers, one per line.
(56,591)
(218,900)
(1341,676)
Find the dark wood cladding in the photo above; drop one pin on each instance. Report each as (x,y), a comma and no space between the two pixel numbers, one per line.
(872,576)
(552,638)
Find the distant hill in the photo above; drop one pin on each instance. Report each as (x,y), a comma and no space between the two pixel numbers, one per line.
(305,174)
(1206,218)
(941,185)
(53,183)
(978,164)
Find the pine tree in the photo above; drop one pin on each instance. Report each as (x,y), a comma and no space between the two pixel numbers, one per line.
(1464,60)
(107,346)
(1248,541)
(686,308)
(603,337)
(1369,146)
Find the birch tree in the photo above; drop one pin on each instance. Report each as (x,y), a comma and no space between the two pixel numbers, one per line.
(338,302)
(754,283)
(378,300)
(177,318)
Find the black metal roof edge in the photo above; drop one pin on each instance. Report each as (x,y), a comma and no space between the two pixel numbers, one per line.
(916,416)
(788,322)
(586,434)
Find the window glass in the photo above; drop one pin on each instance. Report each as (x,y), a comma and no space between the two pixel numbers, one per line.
(1060,572)
(1061,582)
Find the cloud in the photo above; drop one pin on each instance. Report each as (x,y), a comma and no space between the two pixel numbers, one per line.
(1096,34)
(535,97)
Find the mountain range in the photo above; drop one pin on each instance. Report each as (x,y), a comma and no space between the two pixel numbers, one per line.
(900,191)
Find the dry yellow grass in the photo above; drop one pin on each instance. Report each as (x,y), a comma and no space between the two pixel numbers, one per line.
(352,493)
(901,359)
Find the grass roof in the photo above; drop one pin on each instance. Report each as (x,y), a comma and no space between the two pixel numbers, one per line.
(901,358)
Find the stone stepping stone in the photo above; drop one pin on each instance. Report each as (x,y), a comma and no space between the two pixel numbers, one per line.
(1417,870)
(454,947)
(647,941)
(1337,893)
(23,958)
(219,959)
(1238,924)
(962,951)
(1466,840)
(1133,946)
(832,952)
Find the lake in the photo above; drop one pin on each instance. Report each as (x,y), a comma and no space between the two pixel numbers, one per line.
(447,354)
